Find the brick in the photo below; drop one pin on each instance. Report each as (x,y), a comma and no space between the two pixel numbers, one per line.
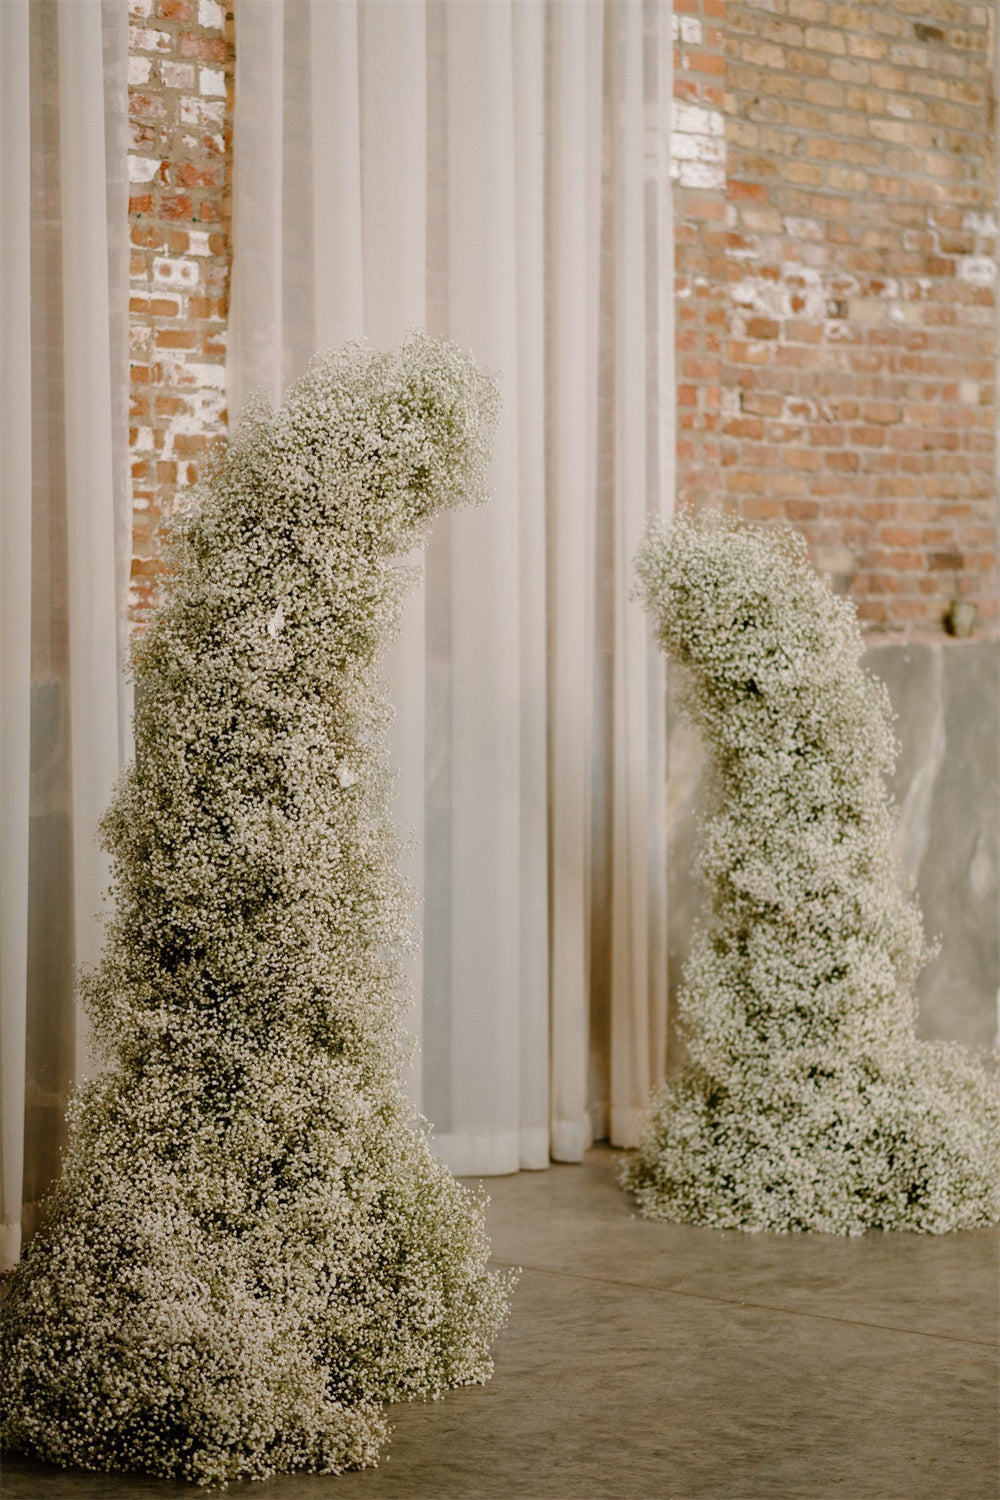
(176,338)
(763,54)
(868,47)
(881,411)
(180,267)
(211,81)
(176,206)
(700,62)
(763,328)
(205,48)
(178,75)
(819,39)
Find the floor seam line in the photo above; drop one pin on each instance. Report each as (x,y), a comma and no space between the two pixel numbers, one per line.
(638,1286)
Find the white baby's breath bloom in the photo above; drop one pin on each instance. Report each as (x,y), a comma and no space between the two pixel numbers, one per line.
(806,1100)
(251,1248)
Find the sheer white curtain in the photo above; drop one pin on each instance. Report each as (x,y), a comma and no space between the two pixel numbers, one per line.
(64,551)
(498,172)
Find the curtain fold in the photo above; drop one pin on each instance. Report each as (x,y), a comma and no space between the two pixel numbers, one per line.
(638,891)
(15,605)
(66,519)
(575,45)
(498,173)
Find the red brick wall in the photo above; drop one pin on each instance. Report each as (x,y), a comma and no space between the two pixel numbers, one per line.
(836,217)
(836,259)
(180,108)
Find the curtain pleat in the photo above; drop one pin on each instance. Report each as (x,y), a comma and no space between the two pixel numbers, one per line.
(393,90)
(65,549)
(498,173)
(574,174)
(528,18)
(93,601)
(15,603)
(259,354)
(335,160)
(483,1094)
(638,994)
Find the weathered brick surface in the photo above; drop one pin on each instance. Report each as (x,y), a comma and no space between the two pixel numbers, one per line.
(836,259)
(836,275)
(180,108)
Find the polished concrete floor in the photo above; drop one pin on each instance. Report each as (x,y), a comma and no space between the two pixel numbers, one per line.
(662,1362)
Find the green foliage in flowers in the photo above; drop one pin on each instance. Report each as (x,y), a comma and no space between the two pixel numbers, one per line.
(251,1247)
(806,1101)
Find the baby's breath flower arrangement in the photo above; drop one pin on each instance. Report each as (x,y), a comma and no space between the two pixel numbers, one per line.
(806,1101)
(251,1247)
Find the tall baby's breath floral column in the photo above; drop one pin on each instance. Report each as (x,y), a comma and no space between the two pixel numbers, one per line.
(251,1247)
(806,1100)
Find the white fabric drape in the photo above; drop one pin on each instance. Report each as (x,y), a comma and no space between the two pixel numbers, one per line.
(65,510)
(498,172)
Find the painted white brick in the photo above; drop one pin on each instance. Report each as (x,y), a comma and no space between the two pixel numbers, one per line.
(211,15)
(702,174)
(977,270)
(198,242)
(167,272)
(774,299)
(178,75)
(143,168)
(695,119)
(140,8)
(147,39)
(691,31)
(203,376)
(979,223)
(202,112)
(803,229)
(139,69)
(202,411)
(698,148)
(211,81)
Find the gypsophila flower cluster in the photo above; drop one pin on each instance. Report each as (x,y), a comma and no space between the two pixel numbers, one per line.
(251,1247)
(806,1100)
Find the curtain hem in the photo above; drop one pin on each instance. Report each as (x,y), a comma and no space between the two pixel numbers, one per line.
(627,1127)
(492,1155)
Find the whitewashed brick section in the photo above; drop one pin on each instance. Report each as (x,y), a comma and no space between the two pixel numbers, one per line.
(696,119)
(977,270)
(174,272)
(688,29)
(142,168)
(699,174)
(698,148)
(177,75)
